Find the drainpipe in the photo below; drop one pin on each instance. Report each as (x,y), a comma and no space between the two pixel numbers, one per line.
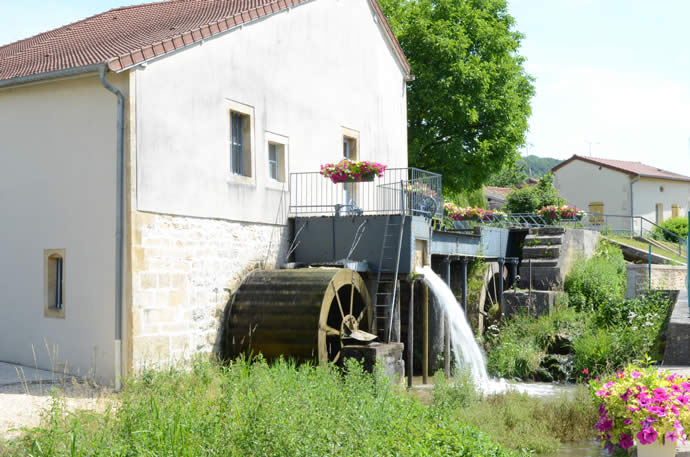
(632,211)
(119,222)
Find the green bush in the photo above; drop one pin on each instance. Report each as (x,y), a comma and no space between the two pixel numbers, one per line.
(594,282)
(530,199)
(256,409)
(677,225)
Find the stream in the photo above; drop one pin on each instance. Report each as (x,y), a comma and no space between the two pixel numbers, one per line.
(468,353)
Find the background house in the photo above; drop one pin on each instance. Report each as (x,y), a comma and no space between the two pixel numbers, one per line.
(496,196)
(146,153)
(622,188)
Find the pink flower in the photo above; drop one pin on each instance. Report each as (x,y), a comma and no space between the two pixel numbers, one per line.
(636,374)
(626,441)
(647,435)
(672,436)
(585,371)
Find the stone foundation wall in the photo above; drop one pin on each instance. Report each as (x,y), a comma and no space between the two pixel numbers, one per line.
(664,277)
(183,272)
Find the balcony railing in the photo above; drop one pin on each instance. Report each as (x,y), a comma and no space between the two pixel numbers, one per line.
(408,191)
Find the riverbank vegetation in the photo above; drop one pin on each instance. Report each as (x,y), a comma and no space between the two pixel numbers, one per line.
(515,420)
(257,409)
(594,330)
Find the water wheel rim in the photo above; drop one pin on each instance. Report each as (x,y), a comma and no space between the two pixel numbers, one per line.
(344,277)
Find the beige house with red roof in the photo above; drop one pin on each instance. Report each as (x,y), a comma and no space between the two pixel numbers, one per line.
(622,188)
(146,152)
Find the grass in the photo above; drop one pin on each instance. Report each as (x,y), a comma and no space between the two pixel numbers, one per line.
(645,246)
(256,409)
(515,420)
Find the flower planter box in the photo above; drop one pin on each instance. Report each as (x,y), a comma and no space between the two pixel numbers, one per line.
(363,178)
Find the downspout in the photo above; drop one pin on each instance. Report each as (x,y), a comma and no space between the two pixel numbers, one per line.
(632,211)
(119,222)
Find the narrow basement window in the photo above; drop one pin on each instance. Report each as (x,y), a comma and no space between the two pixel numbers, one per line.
(54,283)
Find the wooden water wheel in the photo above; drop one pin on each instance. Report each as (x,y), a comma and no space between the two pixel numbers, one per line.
(304,314)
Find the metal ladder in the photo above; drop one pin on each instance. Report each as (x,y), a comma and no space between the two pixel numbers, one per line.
(387,277)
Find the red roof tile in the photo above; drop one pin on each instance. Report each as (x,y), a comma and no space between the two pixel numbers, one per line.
(631,168)
(125,36)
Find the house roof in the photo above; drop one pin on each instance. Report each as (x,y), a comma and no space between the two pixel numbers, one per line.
(123,37)
(630,168)
(497,193)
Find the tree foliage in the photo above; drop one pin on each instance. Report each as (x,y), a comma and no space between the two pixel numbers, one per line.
(469,104)
(509,176)
(530,199)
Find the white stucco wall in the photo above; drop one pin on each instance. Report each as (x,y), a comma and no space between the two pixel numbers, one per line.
(307,72)
(57,190)
(582,183)
(647,193)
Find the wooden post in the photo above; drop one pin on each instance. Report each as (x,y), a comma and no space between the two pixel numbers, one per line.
(446,328)
(425,339)
(410,336)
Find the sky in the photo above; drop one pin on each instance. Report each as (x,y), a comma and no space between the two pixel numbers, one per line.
(612,77)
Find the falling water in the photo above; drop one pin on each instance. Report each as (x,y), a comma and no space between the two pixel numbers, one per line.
(465,348)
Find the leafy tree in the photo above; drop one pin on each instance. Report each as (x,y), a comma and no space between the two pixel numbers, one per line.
(469,104)
(532,199)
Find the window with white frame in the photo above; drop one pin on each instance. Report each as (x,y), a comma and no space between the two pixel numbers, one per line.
(277,150)
(240,141)
(240,144)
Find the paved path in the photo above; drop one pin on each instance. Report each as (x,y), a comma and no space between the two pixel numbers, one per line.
(17,374)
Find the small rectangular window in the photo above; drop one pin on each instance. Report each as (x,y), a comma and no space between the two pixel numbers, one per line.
(675,210)
(596,213)
(273,160)
(54,283)
(240,143)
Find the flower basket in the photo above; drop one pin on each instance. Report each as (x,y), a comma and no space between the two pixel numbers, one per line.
(554,214)
(649,407)
(349,171)
(363,178)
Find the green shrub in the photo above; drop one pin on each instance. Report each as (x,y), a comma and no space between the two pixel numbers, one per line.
(677,225)
(592,283)
(530,199)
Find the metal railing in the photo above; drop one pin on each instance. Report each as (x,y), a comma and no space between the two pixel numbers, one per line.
(628,226)
(408,191)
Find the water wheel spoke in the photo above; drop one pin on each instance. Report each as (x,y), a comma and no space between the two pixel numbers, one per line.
(352,294)
(337,357)
(361,315)
(330,331)
(337,297)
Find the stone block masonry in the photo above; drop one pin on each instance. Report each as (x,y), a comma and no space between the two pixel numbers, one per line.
(184,270)
(664,277)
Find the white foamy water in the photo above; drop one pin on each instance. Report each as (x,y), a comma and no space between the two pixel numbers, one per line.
(465,348)
(467,352)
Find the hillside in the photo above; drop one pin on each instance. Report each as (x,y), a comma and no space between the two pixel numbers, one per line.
(537,167)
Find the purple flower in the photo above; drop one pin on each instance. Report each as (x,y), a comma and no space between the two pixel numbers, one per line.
(647,435)
(602,409)
(672,436)
(605,425)
(627,422)
(626,441)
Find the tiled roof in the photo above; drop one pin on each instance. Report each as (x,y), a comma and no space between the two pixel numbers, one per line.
(125,36)
(631,168)
(497,192)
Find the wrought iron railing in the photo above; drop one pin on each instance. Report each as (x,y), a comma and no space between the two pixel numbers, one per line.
(409,191)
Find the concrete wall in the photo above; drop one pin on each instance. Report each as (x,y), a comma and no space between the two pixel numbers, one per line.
(664,277)
(184,271)
(648,192)
(57,191)
(307,73)
(582,183)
